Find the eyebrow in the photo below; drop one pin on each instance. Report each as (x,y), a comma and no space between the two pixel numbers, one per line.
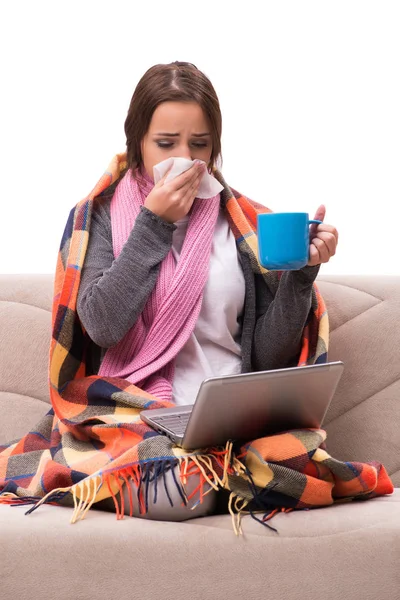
(177,134)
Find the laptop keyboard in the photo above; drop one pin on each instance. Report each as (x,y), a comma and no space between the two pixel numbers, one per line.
(175,423)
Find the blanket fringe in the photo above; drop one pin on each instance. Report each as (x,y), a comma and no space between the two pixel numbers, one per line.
(213,471)
(237,517)
(85,503)
(85,492)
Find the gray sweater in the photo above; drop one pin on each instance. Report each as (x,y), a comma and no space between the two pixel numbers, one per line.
(113,292)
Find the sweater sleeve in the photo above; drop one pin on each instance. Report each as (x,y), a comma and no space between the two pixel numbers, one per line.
(281,320)
(114,291)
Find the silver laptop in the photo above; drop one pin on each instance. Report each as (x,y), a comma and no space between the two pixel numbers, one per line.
(247,406)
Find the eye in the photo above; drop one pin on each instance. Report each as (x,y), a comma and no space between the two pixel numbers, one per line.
(169,144)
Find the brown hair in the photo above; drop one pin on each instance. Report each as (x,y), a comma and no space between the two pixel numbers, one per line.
(177,81)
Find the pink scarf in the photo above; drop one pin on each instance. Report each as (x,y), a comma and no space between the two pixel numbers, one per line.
(145,355)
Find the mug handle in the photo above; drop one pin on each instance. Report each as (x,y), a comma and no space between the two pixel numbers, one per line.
(314,221)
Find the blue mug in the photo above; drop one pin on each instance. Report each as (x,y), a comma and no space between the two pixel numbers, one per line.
(283,240)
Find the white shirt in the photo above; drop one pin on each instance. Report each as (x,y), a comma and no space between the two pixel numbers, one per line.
(213,348)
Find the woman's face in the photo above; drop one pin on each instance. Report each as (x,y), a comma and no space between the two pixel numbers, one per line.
(176,129)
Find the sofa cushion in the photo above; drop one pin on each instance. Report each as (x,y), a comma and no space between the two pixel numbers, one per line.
(339,552)
(25,333)
(362,421)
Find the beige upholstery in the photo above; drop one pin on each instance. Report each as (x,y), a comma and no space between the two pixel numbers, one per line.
(350,551)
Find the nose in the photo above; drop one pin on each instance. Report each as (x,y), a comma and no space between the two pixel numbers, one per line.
(185,152)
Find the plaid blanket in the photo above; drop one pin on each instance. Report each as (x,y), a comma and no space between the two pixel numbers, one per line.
(92,440)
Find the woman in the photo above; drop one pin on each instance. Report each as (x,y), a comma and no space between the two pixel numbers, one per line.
(240,326)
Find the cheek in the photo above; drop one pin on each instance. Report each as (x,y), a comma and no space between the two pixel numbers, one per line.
(151,155)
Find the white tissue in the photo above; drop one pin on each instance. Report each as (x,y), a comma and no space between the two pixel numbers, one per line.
(209,186)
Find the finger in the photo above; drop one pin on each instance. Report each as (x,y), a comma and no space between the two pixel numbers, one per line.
(314,258)
(192,183)
(320,214)
(185,179)
(329,239)
(190,194)
(324,227)
(322,250)
(164,177)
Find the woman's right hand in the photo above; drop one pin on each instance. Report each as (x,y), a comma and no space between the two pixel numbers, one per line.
(173,200)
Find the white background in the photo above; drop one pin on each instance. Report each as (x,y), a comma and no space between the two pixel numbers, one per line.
(309,92)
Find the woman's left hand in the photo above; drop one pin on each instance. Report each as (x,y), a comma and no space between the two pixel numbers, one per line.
(323,240)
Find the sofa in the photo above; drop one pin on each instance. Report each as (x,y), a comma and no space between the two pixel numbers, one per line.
(344,551)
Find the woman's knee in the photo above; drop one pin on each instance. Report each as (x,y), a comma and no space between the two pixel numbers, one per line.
(160,494)
(164,491)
